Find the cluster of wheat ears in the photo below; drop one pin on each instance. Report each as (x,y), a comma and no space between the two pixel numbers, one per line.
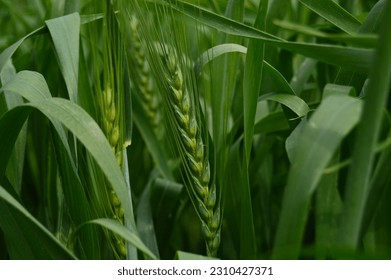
(180,98)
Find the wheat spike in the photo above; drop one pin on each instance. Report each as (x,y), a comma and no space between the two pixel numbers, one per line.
(143,79)
(111,128)
(204,193)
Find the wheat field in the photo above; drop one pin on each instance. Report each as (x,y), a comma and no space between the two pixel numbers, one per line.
(194,129)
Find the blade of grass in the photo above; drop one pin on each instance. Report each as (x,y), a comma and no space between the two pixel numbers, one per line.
(125,233)
(294,103)
(367,135)
(334,13)
(357,59)
(368,41)
(315,146)
(302,75)
(145,223)
(8,52)
(77,202)
(253,71)
(65,35)
(328,209)
(380,183)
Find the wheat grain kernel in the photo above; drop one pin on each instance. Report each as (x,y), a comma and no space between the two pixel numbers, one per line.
(200,151)
(190,143)
(108,96)
(111,113)
(201,190)
(121,248)
(178,80)
(114,199)
(176,94)
(183,120)
(114,136)
(186,104)
(214,225)
(206,215)
(205,178)
(208,235)
(118,158)
(121,213)
(211,201)
(195,166)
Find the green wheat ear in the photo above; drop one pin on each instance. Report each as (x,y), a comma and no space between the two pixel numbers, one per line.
(143,81)
(194,154)
(108,54)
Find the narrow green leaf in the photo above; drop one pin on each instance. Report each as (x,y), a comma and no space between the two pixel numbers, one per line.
(145,222)
(76,200)
(366,139)
(31,238)
(125,233)
(278,78)
(357,59)
(65,35)
(215,52)
(302,75)
(367,40)
(253,71)
(296,104)
(328,209)
(380,183)
(316,144)
(28,84)
(8,52)
(373,20)
(334,13)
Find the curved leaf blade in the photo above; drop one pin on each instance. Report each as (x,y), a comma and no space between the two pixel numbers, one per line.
(315,146)
(357,59)
(125,233)
(335,14)
(65,35)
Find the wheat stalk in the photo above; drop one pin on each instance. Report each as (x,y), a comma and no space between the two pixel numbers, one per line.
(196,159)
